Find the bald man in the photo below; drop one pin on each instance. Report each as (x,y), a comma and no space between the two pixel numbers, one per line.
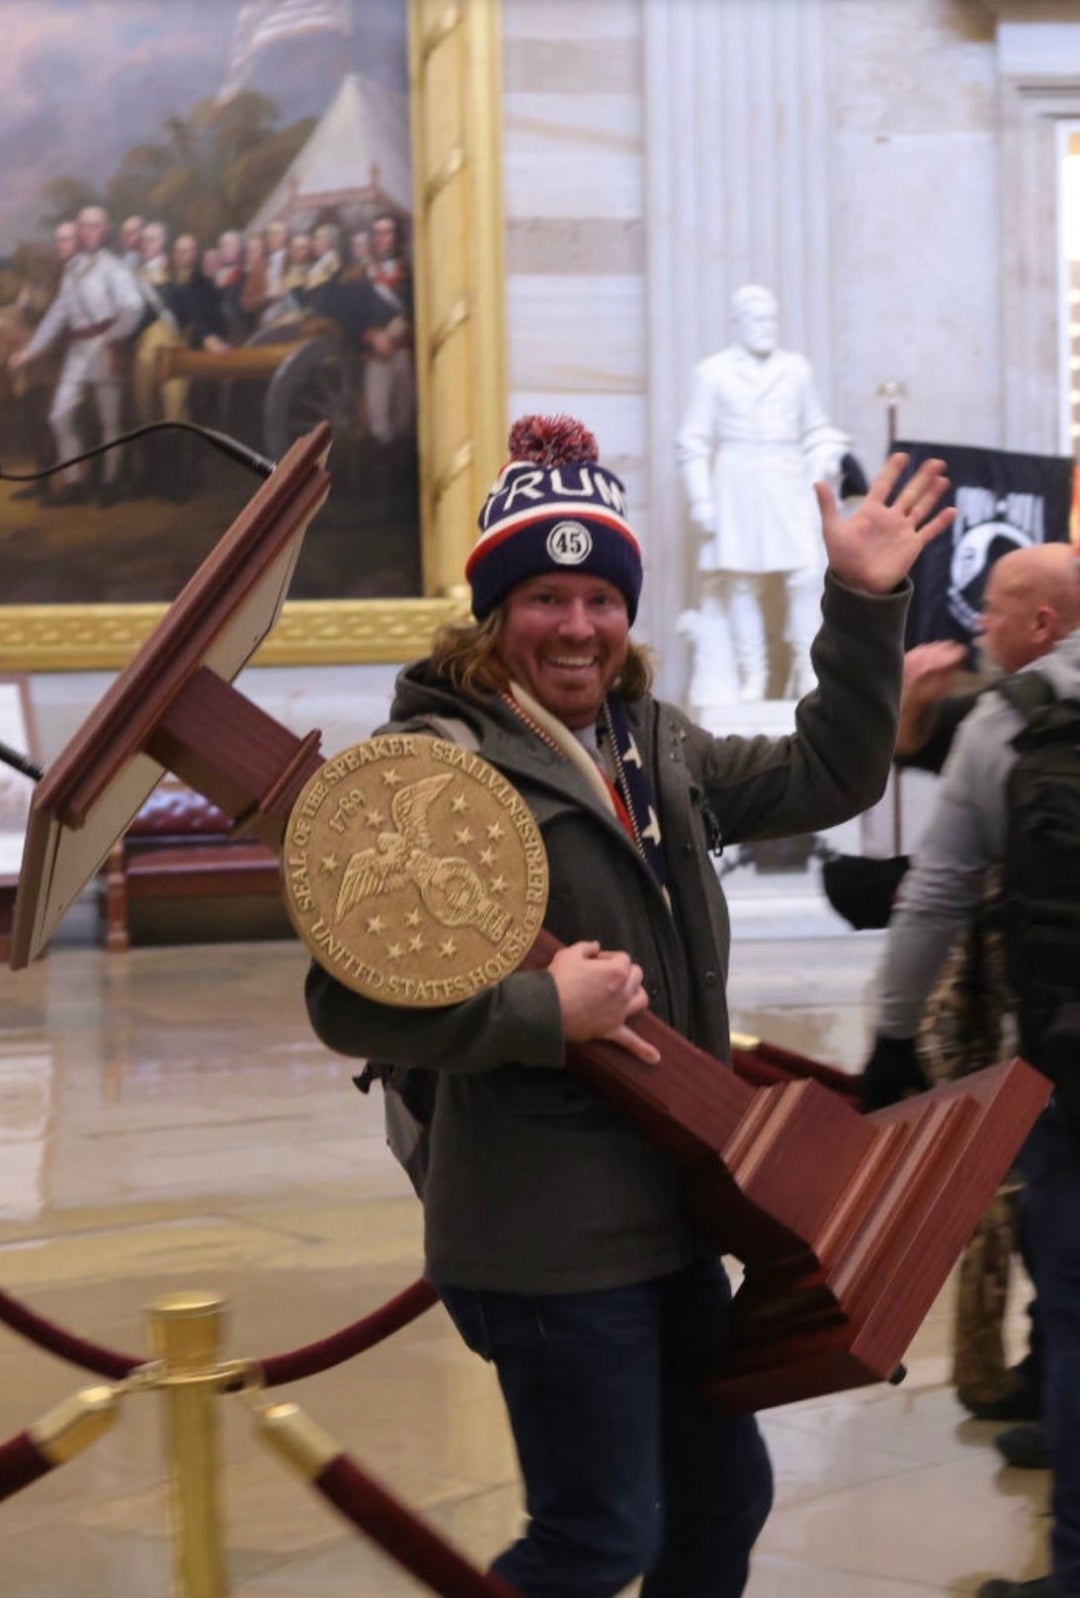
(1030,619)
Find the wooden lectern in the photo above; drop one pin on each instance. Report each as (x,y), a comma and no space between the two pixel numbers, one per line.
(174,709)
(847,1225)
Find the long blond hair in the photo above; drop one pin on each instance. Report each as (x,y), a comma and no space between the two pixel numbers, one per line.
(466,653)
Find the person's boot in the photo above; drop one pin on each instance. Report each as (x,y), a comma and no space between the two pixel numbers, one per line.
(1024,1447)
(1021,1400)
(1041,1587)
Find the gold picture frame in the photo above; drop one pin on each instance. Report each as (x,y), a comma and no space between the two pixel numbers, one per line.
(455,100)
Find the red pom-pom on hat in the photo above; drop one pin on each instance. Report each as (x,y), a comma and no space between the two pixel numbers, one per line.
(552,441)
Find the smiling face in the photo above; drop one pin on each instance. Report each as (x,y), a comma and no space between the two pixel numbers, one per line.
(564,639)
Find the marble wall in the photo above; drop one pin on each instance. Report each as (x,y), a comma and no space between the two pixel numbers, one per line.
(915,204)
(573,147)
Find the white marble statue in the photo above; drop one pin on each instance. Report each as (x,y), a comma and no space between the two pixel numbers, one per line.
(753,440)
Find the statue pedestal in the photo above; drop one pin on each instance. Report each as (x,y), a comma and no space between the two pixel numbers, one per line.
(779,893)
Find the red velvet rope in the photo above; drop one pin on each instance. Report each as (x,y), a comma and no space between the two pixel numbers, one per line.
(289,1367)
(65,1345)
(20,1464)
(764,1065)
(381,1323)
(405,1538)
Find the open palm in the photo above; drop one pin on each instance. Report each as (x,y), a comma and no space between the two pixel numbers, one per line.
(876,547)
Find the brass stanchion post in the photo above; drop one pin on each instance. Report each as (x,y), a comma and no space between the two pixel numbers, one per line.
(185,1334)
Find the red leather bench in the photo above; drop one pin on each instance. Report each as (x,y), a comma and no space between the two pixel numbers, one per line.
(176,876)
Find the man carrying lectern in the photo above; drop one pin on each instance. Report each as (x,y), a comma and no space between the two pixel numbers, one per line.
(554,1229)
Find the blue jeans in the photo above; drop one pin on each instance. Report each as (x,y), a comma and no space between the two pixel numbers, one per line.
(627,1469)
(1050,1161)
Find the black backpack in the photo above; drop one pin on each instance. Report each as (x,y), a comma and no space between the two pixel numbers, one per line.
(410,1108)
(1040,877)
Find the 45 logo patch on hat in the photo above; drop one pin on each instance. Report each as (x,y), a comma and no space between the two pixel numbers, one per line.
(569,543)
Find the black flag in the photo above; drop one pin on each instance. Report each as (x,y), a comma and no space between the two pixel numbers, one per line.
(1004,501)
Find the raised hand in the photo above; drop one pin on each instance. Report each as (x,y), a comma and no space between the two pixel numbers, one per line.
(930,669)
(929,674)
(875,548)
(599,990)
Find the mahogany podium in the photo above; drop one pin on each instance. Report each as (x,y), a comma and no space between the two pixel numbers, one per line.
(847,1226)
(174,709)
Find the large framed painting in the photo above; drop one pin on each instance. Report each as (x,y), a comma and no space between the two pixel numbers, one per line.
(245,216)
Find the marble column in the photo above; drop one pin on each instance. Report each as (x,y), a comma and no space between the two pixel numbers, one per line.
(1038,49)
(737,191)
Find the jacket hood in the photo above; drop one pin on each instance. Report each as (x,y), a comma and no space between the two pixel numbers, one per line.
(421,691)
(1061,667)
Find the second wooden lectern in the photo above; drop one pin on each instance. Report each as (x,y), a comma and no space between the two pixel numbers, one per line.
(847,1225)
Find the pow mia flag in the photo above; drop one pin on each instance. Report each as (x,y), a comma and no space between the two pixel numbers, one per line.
(1004,501)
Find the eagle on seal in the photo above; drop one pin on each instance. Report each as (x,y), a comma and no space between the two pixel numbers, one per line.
(451,890)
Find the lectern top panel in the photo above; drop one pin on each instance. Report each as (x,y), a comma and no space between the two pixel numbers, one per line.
(94,788)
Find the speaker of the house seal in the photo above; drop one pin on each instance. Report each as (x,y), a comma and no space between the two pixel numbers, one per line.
(414,871)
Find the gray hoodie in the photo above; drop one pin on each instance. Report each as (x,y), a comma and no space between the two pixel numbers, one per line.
(966,835)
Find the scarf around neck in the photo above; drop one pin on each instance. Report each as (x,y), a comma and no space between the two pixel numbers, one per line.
(630,783)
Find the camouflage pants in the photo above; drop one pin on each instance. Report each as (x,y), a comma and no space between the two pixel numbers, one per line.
(963,1030)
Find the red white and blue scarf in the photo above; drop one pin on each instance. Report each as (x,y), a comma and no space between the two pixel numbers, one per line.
(628,793)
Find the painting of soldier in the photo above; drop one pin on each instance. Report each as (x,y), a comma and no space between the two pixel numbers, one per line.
(182,248)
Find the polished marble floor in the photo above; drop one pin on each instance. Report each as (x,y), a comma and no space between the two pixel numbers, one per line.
(167,1121)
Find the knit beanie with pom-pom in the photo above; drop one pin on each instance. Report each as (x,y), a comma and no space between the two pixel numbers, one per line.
(553,508)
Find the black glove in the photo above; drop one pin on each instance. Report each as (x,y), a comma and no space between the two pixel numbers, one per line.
(862,889)
(853,480)
(891,1072)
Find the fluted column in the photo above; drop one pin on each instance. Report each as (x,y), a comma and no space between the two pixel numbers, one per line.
(737,191)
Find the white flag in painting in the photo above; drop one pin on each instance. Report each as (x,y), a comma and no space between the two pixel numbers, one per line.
(263,22)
